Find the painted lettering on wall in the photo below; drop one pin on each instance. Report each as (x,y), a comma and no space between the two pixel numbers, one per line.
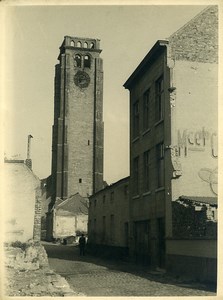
(200,140)
(211,177)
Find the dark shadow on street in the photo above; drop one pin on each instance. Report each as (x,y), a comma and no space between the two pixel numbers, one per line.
(71,253)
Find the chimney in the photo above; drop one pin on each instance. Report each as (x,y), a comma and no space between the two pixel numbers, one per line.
(28,159)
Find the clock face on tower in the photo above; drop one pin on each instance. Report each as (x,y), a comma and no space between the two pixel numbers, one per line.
(81,79)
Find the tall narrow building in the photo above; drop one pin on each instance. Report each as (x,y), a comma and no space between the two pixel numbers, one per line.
(77,146)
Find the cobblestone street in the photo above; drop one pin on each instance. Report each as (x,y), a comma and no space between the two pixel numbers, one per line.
(93,276)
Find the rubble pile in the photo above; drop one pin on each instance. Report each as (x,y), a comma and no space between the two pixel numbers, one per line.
(27,272)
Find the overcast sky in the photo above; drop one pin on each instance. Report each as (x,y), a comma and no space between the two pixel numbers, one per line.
(33,37)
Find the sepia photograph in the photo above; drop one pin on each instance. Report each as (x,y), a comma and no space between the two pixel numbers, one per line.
(110,122)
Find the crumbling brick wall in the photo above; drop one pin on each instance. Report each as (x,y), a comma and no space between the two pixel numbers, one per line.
(188,222)
(198,39)
(37,217)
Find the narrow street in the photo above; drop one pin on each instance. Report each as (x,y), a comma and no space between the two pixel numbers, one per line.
(93,276)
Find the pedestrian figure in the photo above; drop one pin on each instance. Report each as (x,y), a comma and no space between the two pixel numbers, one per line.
(82,242)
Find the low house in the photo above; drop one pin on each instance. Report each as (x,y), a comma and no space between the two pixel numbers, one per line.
(22,202)
(67,217)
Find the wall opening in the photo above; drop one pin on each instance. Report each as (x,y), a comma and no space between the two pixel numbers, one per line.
(87,61)
(78,60)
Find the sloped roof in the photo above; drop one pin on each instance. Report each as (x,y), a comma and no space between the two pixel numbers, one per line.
(209,200)
(112,185)
(75,204)
(147,61)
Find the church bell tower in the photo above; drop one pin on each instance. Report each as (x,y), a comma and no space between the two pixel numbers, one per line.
(77,146)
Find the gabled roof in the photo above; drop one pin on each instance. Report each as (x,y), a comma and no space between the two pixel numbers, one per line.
(75,204)
(148,60)
(113,185)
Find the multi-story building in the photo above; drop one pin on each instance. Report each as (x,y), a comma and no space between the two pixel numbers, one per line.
(109,219)
(173,132)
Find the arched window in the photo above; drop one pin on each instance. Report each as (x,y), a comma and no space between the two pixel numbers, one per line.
(92,46)
(87,61)
(78,60)
(79,44)
(72,43)
(85,45)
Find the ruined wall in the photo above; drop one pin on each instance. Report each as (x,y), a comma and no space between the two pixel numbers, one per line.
(189,222)
(21,203)
(198,39)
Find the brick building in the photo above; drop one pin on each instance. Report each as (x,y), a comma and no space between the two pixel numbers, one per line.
(77,144)
(173,136)
(108,219)
(77,147)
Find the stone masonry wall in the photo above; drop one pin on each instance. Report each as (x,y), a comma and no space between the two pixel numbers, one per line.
(189,223)
(198,39)
(37,216)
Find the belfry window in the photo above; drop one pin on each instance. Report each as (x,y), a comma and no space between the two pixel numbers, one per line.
(87,61)
(79,44)
(72,43)
(85,45)
(78,60)
(92,45)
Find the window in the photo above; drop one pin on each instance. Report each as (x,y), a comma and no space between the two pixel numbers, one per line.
(72,43)
(136,176)
(135,119)
(78,60)
(112,197)
(126,190)
(95,202)
(104,197)
(146,110)
(146,171)
(159,99)
(112,229)
(79,44)
(103,228)
(85,44)
(160,164)
(87,61)
(95,229)
(80,180)
(92,45)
